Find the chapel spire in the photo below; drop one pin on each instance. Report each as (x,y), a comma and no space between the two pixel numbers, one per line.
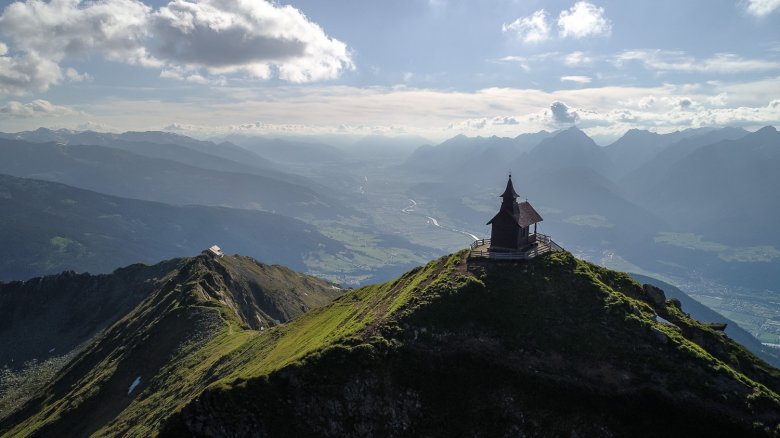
(509,192)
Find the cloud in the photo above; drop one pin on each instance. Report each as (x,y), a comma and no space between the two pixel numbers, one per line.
(685,103)
(760,8)
(203,38)
(562,114)
(531,29)
(21,74)
(194,77)
(647,102)
(74,76)
(97,127)
(576,79)
(678,61)
(582,20)
(604,111)
(574,59)
(721,99)
(36,108)
(505,121)
(116,29)
(250,36)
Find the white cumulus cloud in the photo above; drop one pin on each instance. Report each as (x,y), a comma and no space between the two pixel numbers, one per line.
(202,38)
(582,20)
(116,29)
(761,8)
(20,74)
(254,37)
(531,29)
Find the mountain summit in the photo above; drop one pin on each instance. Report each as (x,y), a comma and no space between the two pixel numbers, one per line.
(553,346)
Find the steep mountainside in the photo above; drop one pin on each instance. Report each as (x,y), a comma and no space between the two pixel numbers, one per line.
(703,313)
(635,148)
(740,175)
(48,227)
(568,148)
(655,170)
(121,173)
(554,346)
(722,203)
(185,310)
(50,316)
(638,147)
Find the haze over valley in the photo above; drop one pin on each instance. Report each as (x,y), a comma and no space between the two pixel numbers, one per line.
(346,160)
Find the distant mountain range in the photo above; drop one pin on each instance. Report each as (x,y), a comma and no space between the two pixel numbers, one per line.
(121,173)
(209,346)
(714,185)
(224,150)
(48,227)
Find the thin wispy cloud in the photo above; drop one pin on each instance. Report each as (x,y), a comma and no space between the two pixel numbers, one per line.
(531,29)
(577,79)
(36,108)
(577,59)
(726,63)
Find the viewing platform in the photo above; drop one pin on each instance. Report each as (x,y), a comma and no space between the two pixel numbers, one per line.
(538,244)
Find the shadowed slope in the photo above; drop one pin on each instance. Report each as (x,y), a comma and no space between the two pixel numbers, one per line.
(197,312)
(553,347)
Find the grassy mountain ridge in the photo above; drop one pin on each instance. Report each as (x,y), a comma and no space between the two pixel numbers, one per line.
(553,347)
(548,347)
(196,313)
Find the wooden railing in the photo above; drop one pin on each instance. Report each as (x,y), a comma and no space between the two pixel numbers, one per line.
(544,244)
(480,242)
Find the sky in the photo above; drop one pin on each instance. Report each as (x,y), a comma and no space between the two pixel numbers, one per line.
(431,68)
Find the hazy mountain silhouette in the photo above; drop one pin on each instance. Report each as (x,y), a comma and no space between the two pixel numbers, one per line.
(461,154)
(49,227)
(121,173)
(125,140)
(565,149)
(731,184)
(654,170)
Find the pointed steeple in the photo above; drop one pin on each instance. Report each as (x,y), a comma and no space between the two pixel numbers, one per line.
(509,193)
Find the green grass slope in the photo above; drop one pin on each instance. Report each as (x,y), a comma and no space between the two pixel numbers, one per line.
(553,347)
(197,313)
